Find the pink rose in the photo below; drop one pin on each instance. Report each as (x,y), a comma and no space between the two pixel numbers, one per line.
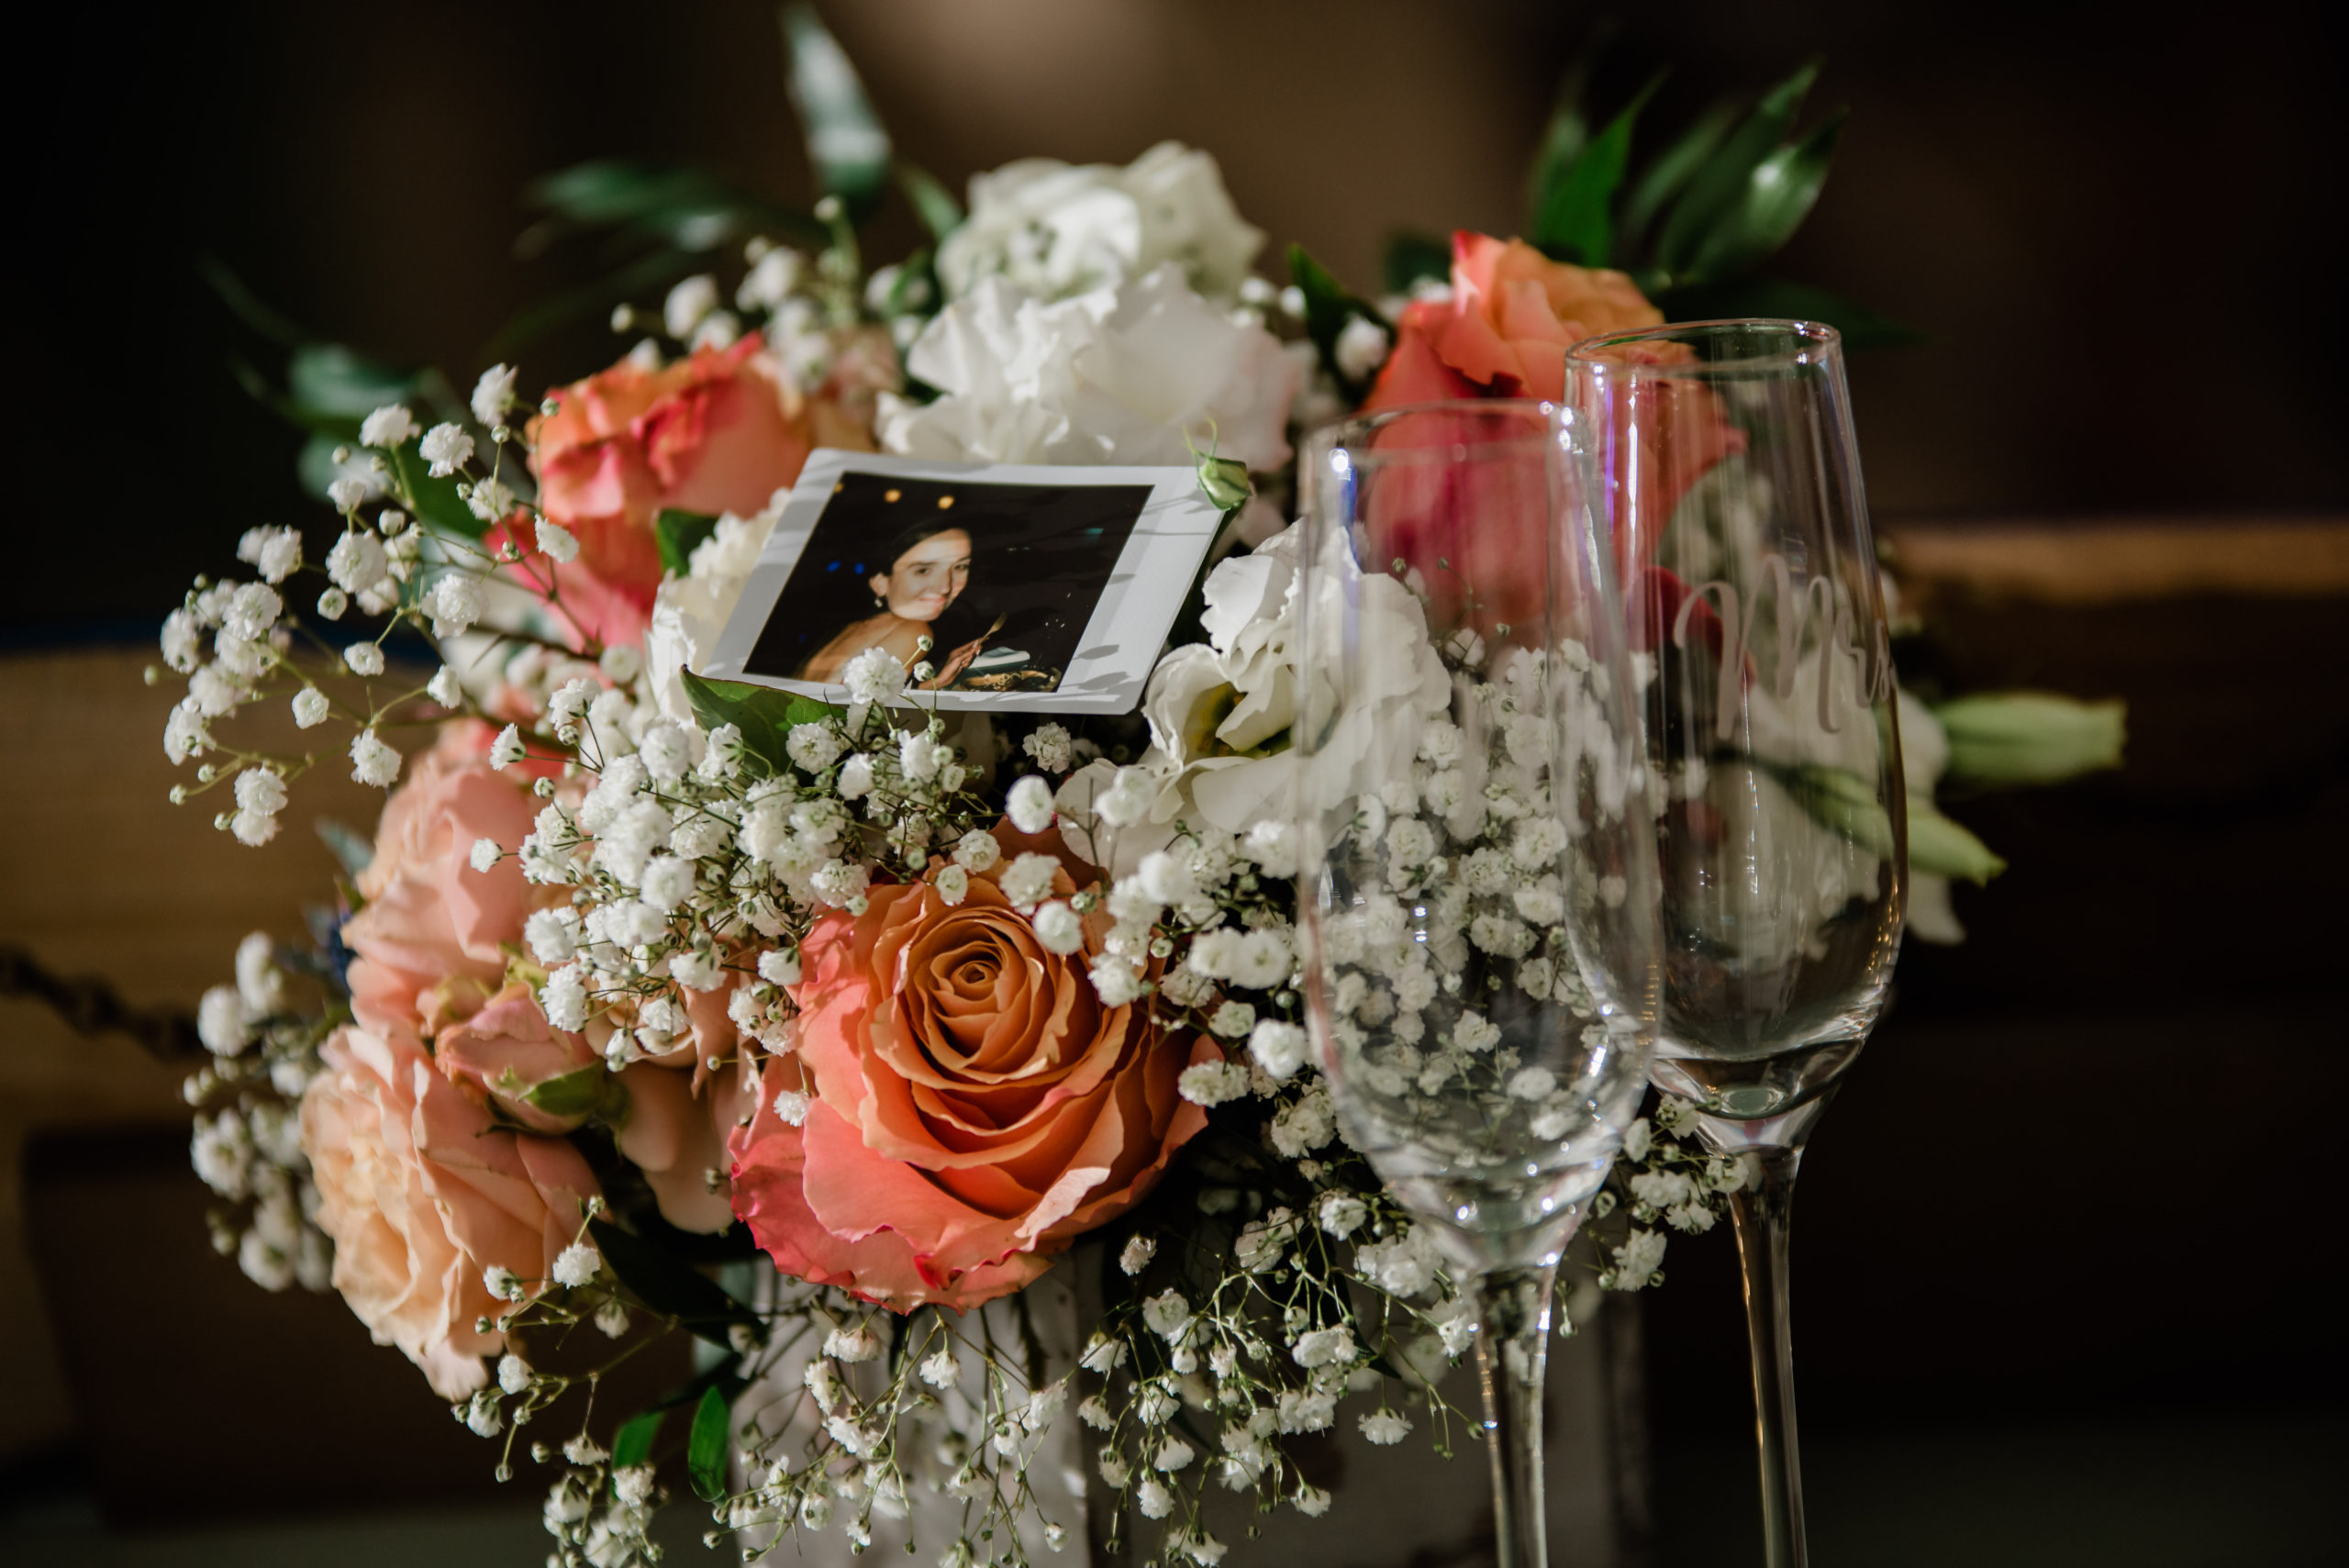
(426,938)
(422,1193)
(970,1104)
(507,1050)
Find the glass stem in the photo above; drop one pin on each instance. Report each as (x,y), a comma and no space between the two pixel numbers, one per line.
(1763,1215)
(1512,1348)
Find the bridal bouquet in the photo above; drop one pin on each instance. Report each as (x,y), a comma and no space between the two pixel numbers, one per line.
(830,1033)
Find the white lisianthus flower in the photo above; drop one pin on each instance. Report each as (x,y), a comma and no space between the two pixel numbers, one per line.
(1057,229)
(1134,373)
(1219,711)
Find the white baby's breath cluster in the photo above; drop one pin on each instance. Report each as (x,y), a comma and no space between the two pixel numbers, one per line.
(697,859)
(241,643)
(246,1143)
(1254,1328)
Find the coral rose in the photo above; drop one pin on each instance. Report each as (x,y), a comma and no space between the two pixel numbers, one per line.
(1505,330)
(422,1193)
(970,1105)
(719,431)
(426,939)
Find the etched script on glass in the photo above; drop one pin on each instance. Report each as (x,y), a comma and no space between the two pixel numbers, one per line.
(1771,725)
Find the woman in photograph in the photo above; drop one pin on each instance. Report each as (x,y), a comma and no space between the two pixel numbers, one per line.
(929,564)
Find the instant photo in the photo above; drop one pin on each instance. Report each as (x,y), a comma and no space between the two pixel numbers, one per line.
(1039,589)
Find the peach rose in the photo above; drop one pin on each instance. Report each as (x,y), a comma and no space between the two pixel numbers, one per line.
(426,940)
(961,1104)
(422,1193)
(676,1135)
(719,431)
(507,1050)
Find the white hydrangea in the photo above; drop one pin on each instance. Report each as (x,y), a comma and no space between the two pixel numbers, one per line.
(1117,375)
(1056,230)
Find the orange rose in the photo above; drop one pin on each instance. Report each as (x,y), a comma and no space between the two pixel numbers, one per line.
(719,431)
(422,1193)
(1505,331)
(962,1103)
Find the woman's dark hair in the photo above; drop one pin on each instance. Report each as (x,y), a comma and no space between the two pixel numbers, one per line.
(916,535)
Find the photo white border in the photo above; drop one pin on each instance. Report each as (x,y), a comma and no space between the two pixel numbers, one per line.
(1123,641)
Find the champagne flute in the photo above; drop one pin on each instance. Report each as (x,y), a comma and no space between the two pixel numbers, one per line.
(1477,884)
(1732,496)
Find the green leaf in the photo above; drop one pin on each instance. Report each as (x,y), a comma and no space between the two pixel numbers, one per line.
(1778,194)
(706,1447)
(632,1444)
(1715,189)
(1328,307)
(435,502)
(668,1286)
(584,1092)
(933,203)
(688,208)
(846,145)
(1574,218)
(331,380)
(1672,169)
(353,851)
(1781,299)
(588,301)
(760,713)
(248,307)
(1567,131)
(679,534)
(1411,257)
(1938,847)
(2031,738)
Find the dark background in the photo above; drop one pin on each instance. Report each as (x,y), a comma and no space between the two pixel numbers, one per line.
(2066,1242)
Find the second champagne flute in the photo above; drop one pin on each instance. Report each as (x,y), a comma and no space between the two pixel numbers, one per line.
(1733,495)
